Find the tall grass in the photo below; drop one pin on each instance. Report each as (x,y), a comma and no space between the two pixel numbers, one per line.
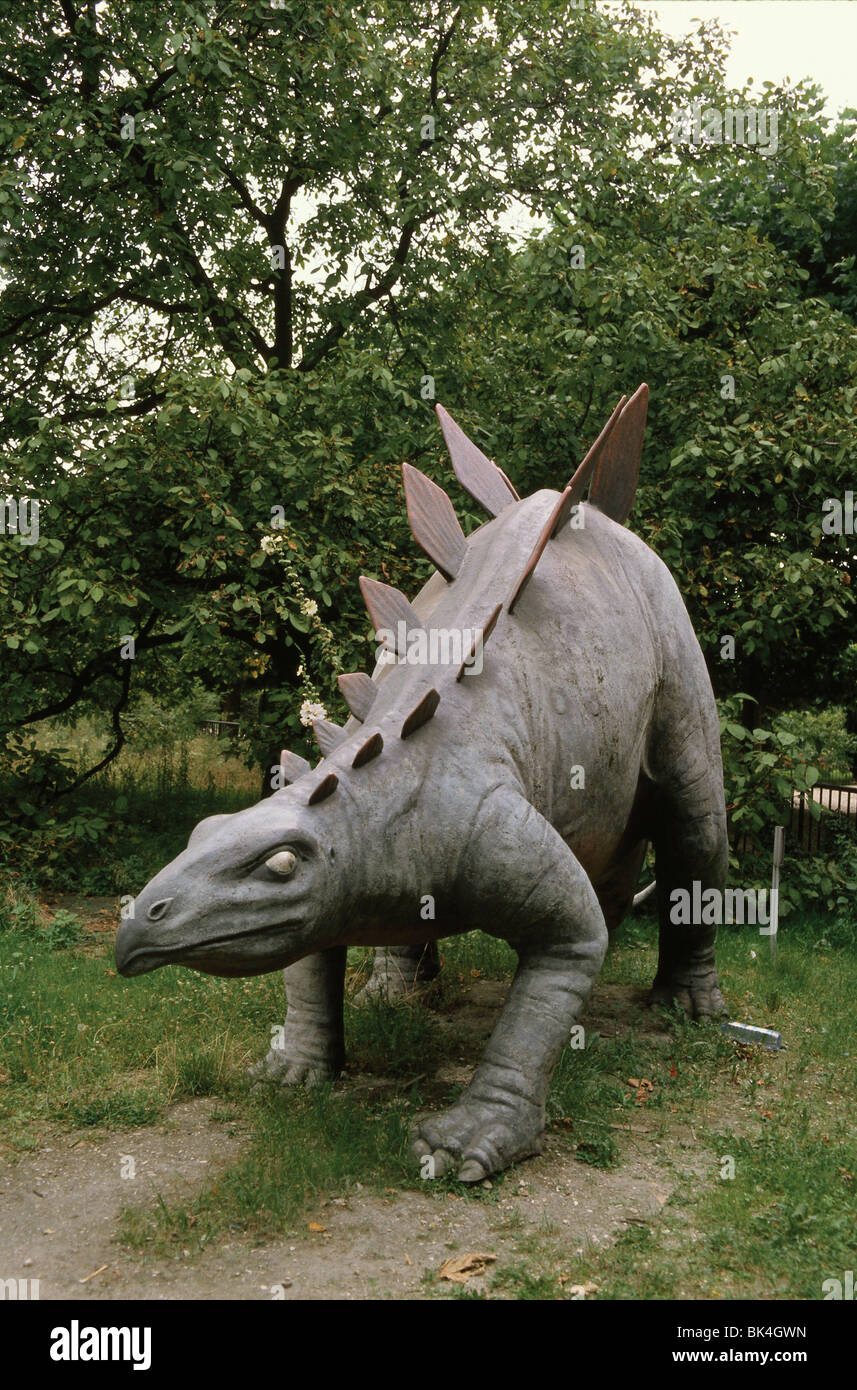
(124,824)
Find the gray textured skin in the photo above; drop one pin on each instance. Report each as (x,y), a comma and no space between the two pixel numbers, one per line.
(597,667)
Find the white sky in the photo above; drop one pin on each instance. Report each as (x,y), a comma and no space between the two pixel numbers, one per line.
(778,40)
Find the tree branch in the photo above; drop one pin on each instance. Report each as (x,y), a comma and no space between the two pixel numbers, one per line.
(119,735)
(97,666)
(23,84)
(276,226)
(140,407)
(361,300)
(243,192)
(370,294)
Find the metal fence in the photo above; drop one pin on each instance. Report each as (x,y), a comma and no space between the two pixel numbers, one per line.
(813,834)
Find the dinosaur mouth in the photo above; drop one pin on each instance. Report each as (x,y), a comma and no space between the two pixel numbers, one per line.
(205,956)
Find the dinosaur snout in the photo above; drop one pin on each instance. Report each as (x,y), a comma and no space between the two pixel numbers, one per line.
(140,941)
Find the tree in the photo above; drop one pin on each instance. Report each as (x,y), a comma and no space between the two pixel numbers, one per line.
(214,214)
(808,209)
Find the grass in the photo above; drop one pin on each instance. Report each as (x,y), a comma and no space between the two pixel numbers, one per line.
(82,1049)
(81,1046)
(778,1229)
(313,1147)
(787,1218)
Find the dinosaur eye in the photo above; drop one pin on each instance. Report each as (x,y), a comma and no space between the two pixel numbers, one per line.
(281,863)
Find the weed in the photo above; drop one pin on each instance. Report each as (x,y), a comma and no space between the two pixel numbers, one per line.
(66,929)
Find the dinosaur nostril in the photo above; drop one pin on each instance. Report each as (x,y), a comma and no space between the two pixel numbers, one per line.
(158,909)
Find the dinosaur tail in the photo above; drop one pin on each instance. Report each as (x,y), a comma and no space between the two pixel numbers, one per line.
(644,893)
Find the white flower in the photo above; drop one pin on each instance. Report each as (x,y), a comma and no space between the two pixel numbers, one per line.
(271,544)
(310,607)
(310,712)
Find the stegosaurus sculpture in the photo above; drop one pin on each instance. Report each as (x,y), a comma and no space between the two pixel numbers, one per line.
(512,783)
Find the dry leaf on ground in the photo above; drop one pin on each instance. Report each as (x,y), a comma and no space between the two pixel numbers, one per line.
(580,1291)
(459,1269)
(644,1088)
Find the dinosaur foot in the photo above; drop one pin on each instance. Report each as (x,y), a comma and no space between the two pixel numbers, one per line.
(475,1138)
(695,991)
(393,985)
(283,1069)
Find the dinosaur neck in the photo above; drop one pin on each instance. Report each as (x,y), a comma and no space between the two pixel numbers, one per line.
(398,837)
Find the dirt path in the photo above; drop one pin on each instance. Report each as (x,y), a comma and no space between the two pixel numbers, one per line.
(59,1207)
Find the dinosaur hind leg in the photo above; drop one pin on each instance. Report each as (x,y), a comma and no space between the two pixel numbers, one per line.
(690,848)
(398,970)
(616,891)
(309,1047)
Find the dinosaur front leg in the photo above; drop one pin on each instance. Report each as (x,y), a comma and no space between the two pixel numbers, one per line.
(561,937)
(311,1046)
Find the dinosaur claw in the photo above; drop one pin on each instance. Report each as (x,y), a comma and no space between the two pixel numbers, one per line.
(279,1068)
(475,1138)
(698,998)
(472,1171)
(443,1163)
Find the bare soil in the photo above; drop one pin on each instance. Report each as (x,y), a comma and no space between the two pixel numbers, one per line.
(59,1205)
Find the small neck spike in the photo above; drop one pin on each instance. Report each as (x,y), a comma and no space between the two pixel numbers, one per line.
(324,789)
(328,736)
(421,713)
(293,766)
(390,613)
(359,692)
(369,750)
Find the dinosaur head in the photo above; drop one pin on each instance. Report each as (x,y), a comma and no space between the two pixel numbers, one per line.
(251,893)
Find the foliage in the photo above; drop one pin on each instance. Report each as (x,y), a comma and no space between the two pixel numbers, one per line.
(19,907)
(823,738)
(731,491)
(761,769)
(21,918)
(243,325)
(828,881)
(65,929)
(143,807)
(809,211)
